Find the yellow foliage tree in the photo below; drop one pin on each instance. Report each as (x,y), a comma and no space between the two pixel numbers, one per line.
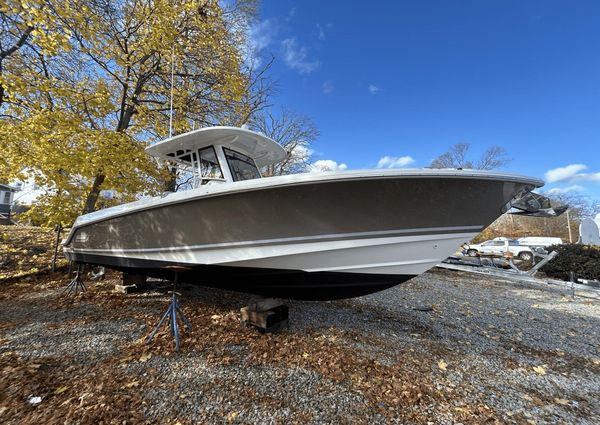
(85,86)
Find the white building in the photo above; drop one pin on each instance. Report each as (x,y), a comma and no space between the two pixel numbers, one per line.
(28,192)
(6,200)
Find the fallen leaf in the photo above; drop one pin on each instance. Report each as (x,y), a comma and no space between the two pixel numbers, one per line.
(60,390)
(527,397)
(305,355)
(562,401)
(145,357)
(539,370)
(442,365)
(232,416)
(132,384)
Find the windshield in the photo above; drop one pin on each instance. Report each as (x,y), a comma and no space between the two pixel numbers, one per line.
(209,165)
(242,167)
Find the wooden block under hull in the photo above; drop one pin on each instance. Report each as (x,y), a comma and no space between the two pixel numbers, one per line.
(132,282)
(271,319)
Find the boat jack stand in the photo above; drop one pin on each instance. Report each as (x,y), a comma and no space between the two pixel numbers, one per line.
(76,283)
(171,314)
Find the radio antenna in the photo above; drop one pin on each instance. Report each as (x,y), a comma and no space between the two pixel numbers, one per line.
(171,106)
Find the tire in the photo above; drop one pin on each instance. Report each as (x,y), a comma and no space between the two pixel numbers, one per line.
(472,252)
(526,256)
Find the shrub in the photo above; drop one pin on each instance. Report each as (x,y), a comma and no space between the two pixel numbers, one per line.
(584,260)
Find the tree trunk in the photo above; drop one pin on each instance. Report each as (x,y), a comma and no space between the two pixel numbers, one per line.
(170,184)
(92,198)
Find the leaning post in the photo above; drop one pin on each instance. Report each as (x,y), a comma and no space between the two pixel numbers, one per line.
(57,229)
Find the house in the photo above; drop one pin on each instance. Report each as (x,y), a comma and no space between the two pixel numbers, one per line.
(6,200)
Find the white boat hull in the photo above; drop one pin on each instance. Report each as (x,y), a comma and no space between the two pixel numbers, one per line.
(300,237)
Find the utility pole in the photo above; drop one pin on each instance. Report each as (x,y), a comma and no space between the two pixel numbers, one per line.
(569,227)
(512,224)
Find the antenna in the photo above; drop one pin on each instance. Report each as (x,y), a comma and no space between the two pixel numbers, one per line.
(171,107)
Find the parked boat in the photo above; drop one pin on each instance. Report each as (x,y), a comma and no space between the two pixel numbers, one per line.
(325,235)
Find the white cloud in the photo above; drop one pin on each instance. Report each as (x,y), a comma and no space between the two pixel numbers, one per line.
(320,32)
(563,190)
(291,14)
(590,177)
(394,161)
(373,89)
(261,35)
(301,153)
(571,173)
(328,87)
(564,173)
(598,219)
(296,57)
(326,165)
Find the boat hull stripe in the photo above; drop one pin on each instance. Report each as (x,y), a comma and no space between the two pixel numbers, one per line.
(281,241)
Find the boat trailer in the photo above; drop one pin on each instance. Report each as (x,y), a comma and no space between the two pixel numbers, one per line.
(584,288)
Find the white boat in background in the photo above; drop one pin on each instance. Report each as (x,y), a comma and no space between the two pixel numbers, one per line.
(306,236)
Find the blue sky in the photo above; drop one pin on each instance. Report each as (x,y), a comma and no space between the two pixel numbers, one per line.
(406,80)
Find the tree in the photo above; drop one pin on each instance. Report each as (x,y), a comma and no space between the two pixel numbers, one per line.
(294,132)
(90,87)
(456,157)
(14,32)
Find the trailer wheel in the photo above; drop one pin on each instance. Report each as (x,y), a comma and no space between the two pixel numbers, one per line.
(472,253)
(526,256)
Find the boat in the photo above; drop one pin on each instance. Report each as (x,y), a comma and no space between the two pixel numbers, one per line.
(311,236)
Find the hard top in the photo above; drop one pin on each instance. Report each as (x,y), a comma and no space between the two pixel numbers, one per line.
(263,150)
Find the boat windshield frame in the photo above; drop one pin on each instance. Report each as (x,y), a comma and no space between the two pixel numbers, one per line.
(190,161)
(201,177)
(227,152)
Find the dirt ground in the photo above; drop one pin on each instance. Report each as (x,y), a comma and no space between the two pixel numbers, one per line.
(446,347)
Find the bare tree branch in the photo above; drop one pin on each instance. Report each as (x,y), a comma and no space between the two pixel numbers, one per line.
(294,133)
(456,157)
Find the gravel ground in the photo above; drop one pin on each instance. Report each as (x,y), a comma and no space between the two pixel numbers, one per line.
(446,347)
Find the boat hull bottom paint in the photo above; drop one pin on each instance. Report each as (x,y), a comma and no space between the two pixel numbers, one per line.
(289,284)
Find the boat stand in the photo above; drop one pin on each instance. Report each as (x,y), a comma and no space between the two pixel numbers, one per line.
(171,314)
(76,283)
